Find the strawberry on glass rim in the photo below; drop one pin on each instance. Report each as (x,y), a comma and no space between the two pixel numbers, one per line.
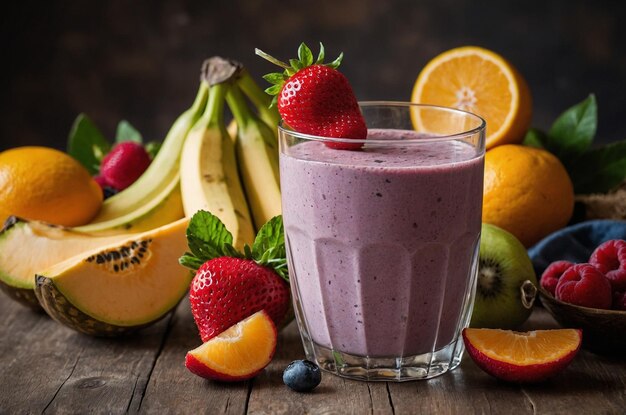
(315,98)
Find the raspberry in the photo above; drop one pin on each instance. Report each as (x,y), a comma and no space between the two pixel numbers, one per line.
(124,164)
(585,286)
(610,259)
(619,300)
(551,275)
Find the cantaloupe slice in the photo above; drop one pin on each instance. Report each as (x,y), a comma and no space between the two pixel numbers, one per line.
(27,247)
(120,287)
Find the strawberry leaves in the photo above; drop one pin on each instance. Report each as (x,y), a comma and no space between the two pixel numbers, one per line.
(208,238)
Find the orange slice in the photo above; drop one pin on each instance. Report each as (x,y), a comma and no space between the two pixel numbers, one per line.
(239,353)
(522,357)
(479,81)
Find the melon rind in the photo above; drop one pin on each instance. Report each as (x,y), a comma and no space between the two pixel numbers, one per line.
(61,310)
(86,294)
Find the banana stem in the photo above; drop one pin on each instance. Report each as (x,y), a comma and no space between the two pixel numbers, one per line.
(260,99)
(239,108)
(201,98)
(214,113)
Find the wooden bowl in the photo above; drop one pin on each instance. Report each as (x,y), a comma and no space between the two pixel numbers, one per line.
(604,331)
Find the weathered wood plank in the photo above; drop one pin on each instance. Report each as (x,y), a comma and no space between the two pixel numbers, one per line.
(49,368)
(172,389)
(333,395)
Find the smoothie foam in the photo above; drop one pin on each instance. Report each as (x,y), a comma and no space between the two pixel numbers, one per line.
(383,239)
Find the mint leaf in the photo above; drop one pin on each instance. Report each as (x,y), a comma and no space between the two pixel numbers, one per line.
(535,138)
(87,144)
(573,131)
(126,132)
(600,170)
(207,238)
(269,247)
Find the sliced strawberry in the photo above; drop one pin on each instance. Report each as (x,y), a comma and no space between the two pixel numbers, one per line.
(314,98)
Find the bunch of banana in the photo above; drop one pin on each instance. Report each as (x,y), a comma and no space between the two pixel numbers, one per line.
(209,176)
(155,198)
(257,157)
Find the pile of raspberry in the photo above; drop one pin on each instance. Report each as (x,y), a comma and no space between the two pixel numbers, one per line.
(599,283)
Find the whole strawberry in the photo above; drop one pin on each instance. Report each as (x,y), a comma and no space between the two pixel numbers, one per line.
(315,98)
(124,164)
(230,286)
(227,290)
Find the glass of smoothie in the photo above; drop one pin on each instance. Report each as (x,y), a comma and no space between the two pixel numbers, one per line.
(382,240)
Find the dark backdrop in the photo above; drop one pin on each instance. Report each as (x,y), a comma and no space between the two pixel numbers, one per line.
(140,60)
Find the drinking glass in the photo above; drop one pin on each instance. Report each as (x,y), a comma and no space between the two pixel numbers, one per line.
(382,240)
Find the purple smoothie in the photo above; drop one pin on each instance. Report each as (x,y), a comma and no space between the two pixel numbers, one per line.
(381,241)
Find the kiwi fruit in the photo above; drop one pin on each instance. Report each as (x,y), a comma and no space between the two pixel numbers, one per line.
(506,285)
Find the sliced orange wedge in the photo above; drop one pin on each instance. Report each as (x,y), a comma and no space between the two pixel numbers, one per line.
(239,353)
(479,81)
(522,356)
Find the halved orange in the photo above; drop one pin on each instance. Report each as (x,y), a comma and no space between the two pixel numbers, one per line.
(238,353)
(480,81)
(522,356)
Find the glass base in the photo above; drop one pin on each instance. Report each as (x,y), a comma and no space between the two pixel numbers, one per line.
(418,367)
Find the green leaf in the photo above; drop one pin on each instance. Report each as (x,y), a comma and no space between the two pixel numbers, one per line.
(126,132)
(269,247)
(296,64)
(273,90)
(573,131)
(335,64)
(599,170)
(207,236)
(535,138)
(190,261)
(87,144)
(320,57)
(153,148)
(275,78)
(305,55)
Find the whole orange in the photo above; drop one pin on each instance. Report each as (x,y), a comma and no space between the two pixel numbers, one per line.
(46,184)
(527,191)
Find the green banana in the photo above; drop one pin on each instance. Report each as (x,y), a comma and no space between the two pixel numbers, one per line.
(257,157)
(209,177)
(260,99)
(163,169)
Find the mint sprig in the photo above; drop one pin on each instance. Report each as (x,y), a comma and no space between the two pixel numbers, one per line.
(570,138)
(208,238)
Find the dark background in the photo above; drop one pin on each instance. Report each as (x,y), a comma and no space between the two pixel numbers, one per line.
(140,60)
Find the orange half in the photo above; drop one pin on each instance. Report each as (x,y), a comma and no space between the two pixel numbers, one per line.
(522,357)
(480,81)
(238,353)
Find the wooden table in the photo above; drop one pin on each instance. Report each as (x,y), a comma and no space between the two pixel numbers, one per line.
(46,367)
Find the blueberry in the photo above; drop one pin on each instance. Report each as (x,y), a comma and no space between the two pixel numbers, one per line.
(108,192)
(302,375)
